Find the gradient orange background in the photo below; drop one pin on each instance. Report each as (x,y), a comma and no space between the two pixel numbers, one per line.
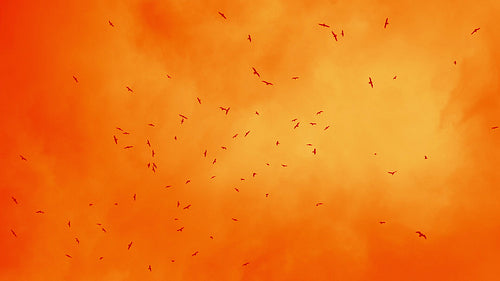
(65,131)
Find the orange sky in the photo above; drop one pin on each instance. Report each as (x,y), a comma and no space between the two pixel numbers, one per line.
(65,130)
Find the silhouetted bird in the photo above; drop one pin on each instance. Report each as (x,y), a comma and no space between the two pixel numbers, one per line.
(420,234)
(475,30)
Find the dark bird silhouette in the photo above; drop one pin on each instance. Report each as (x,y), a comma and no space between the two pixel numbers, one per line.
(188,181)
(394,78)
(342,33)
(215,160)
(211,237)
(69,256)
(319,112)
(148,143)
(224,109)
(69,223)
(392,173)
(255,72)
(309,144)
(494,127)
(22,158)
(103,229)
(420,234)
(323,25)
(110,23)
(319,204)
(151,124)
(135,196)
(212,177)
(152,153)
(284,165)
(313,123)
(296,125)
(237,190)
(119,129)
(13,233)
(115,139)
(277,143)
(295,77)
(257,113)
(40,212)
(381,222)
(199,101)
(129,245)
(370,82)
(194,254)
(130,90)
(314,151)
(249,38)
(187,207)
(386,22)
(222,15)
(334,36)
(167,186)
(126,133)
(267,83)
(235,136)
(246,134)
(169,77)
(180,229)
(475,30)
(247,263)
(267,194)
(149,267)
(128,146)
(234,219)
(254,174)
(183,117)
(455,62)
(77,241)
(14,199)
(205,153)
(223,147)
(76,79)
(242,179)
(295,119)
(425,157)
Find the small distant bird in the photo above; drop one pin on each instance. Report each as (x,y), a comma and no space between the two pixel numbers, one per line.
(284,165)
(237,190)
(309,144)
(342,33)
(135,196)
(199,101)
(126,133)
(313,123)
(115,139)
(326,128)
(296,125)
(215,160)
(246,134)
(100,258)
(334,36)
(475,30)
(129,245)
(69,256)
(267,83)
(151,124)
(245,264)
(295,77)
(381,222)
(152,153)
(394,78)
(420,234)
(187,207)
(425,157)
(169,77)
(234,219)
(211,237)
(14,199)
(224,109)
(103,229)
(223,147)
(267,164)
(323,25)
(119,129)
(212,177)
(267,194)
(222,15)
(370,82)
(205,153)
(195,253)
(254,174)
(69,223)
(295,119)
(149,267)
(257,113)
(22,158)
(91,204)
(319,112)
(76,79)
(314,151)
(180,229)
(40,212)
(167,186)
(392,173)
(182,116)
(128,146)
(235,136)
(255,72)
(494,127)
(455,62)
(175,137)
(319,204)
(110,23)
(13,233)
(242,179)
(188,181)
(386,22)
(277,143)
(130,90)
(249,38)
(77,241)
(148,143)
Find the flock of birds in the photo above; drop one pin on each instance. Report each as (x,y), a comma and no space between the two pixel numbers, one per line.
(153,166)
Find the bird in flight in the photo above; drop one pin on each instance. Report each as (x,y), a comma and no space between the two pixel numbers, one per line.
(77,241)
(223,147)
(224,109)
(475,30)
(135,196)
(284,165)
(235,136)
(22,158)
(246,134)
(222,15)
(130,90)
(370,82)
(151,124)
(215,160)
(313,123)
(392,173)
(314,151)
(455,62)
(296,125)
(255,72)
(199,101)
(381,222)
(40,212)
(149,267)
(188,181)
(267,194)
(386,22)
(254,174)
(394,78)
(494,127)
(267,83)
(323,25)
(182,116)
(234,219)
(277,143)
(110,23)
(148,143)
(115,139)
(295,77)
(211,237)
(169,77)
(249,38)
(180,229)
(76,79)
(342,33)
(128,146)
(187,207)
(319,204)
(309,144)
(319,112)
(245,264)
(295,119)
(420,234)
(13,233)
(257,113)
(69,256)
(334,36)
(14,199)
(237,190)
(205,153)
(194,254)
(69,223)
(425,157)
(129,245)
